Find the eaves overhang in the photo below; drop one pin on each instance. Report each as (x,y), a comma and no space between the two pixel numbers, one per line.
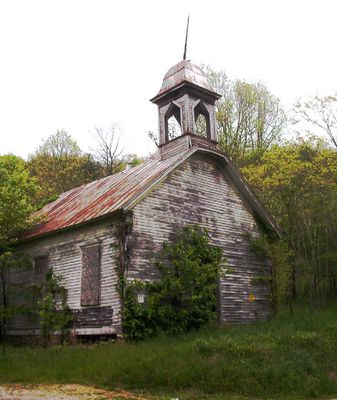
(163,96)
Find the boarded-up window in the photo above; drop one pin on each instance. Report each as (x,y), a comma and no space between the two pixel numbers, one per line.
(40,269)
(91,276)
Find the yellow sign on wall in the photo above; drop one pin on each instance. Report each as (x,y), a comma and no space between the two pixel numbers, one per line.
(251,297)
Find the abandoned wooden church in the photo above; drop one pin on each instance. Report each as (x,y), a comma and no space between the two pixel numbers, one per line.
(189,181)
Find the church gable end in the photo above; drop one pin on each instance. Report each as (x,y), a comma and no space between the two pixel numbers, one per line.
(198,192)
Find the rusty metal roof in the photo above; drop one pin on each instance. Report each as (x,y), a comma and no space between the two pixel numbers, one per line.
(121,191)
(101,197)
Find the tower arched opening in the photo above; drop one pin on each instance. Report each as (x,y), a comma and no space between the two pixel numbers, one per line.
(173,122)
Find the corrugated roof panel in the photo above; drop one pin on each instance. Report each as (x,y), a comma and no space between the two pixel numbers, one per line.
(120,191)
(101,197)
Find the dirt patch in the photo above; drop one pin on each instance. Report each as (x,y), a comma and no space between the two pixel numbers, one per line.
(62,392)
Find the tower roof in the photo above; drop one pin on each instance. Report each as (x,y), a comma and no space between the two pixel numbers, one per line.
(184,72)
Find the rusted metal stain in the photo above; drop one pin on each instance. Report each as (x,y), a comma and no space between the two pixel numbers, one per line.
(101,197)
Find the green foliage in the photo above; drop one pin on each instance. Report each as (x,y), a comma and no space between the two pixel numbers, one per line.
(17,191)
(186,294)
(59,165)
(278,252)
(59,145)
(250,119)
(185,297)
(46,200)
(139,321)
(297,183)
(120,231)
(54,312)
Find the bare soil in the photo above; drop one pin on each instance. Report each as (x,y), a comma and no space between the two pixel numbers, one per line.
(62,392)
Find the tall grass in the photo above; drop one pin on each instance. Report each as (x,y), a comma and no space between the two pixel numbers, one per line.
(292,356)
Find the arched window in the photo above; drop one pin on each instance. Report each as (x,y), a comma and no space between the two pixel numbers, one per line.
(201,126)
(201,119)
(172,122)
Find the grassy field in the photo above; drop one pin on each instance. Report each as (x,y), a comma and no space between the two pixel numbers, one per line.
(291,357)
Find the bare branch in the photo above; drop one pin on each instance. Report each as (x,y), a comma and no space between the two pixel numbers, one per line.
(320,112)
(108,151)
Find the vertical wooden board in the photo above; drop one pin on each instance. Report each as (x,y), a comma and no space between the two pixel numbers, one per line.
(91,276)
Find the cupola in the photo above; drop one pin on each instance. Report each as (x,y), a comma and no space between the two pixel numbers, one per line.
(186,101)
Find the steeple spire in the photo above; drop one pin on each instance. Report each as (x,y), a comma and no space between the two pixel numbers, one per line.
(186,37)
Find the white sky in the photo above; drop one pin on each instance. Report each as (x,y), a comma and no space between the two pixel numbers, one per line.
(74,64)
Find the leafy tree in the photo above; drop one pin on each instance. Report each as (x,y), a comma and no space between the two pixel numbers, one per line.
(298,183)
(59,165)
(60,145)
(250,119)
(186,295)
(17,190)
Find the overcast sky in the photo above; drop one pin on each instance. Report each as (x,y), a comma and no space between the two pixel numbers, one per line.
(76,64)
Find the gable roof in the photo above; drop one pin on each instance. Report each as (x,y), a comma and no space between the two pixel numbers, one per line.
(102,197)
(122,191)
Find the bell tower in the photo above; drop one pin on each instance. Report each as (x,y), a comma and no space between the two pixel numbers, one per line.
(187,98)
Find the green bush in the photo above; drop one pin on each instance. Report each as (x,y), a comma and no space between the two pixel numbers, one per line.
(138,321)
(54,312)
(185,297)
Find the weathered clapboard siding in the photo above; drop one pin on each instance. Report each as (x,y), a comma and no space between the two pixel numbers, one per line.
(64,250)
(174,147)
(198,192)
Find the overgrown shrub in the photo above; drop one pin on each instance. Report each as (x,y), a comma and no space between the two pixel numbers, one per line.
(54,312)
(186,296)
